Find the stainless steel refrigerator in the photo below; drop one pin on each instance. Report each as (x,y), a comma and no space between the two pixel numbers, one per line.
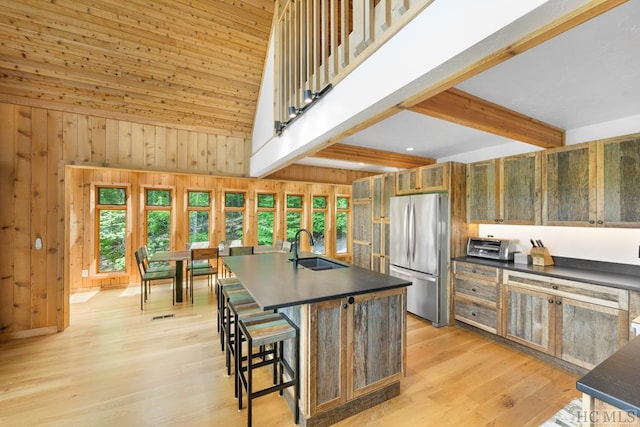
(419,250)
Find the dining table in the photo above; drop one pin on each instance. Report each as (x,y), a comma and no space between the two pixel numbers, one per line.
(173,256)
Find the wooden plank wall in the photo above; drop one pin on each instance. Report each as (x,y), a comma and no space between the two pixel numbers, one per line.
(35,144)
(47,156)
(83,237)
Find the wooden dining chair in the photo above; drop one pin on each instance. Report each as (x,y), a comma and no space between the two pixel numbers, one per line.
(203,262)
(146,277)
(156,266)
(240,250)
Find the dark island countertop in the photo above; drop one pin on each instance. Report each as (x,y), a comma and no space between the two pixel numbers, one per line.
(275,282)
(616,381)
(621,276)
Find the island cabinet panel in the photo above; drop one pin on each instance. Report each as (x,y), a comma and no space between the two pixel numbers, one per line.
(328,355)
(570,185)
(618,178)
(356,349)
(478,295)
(376,346)
(580,323)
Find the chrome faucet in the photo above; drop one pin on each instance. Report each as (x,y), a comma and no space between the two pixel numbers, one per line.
(296,243)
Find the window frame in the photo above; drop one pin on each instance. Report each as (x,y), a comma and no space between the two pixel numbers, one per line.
(327,220)
(94,268)
(209,209)
(242,209)
(274,210)
(287,209)
(171,208)
(348,211)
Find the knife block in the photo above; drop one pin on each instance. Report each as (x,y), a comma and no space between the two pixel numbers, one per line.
(541,256)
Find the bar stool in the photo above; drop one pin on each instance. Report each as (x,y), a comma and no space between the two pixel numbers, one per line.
(238,302)
(239,295)
(259,332)
(221,283)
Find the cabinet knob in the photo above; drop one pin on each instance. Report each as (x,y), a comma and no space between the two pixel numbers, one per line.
(591,221)
(600,221)
(555,286)
(344,305)
(473,270)
(351,300)
(473,290)
(550,301)
(558,302)
(473,313)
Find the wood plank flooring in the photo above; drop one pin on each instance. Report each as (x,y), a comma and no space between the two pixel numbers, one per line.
(117,366)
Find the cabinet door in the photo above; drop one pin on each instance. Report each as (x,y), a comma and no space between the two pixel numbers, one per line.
(434,178)
(520,185)
(589,332)
(481,192)
(530,318)
(362,233)
(407,181)
(328,355)
(361,189)
(376,342)
(383,189)
(569,186)
(618,179)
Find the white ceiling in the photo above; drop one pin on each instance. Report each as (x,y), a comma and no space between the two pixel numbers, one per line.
(586,76)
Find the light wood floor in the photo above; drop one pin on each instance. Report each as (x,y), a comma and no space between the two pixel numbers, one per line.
(116,366)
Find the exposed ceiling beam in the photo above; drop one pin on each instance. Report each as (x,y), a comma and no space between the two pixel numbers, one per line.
(462,108)
(372,156)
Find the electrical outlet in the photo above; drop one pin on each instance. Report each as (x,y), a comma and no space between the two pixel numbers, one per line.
(85,273)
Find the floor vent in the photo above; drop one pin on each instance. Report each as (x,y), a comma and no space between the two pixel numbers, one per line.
(164,316)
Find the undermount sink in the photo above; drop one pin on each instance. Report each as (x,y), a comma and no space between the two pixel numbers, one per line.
(317,264)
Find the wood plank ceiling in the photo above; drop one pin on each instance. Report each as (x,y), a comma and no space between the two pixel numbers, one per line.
(194,64)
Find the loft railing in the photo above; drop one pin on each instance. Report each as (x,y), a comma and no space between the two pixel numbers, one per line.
(318,42)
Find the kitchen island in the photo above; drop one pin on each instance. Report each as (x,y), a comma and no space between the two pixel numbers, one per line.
(352,328)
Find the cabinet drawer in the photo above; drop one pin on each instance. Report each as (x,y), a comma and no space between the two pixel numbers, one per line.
(476,313)
(491,274)
(587,292)
(477,288)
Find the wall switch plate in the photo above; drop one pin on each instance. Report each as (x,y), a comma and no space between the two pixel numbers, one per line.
(85,273)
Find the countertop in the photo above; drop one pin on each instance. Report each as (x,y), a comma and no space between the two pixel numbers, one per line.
(621,276)
(275,282)
(616,381)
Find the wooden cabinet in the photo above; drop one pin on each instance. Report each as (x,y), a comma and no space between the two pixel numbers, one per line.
(362,220)
(426,179)
(478,295)
(593,184)
(580,323)
(505,191)
(357,347)
(618,172)
(383,187)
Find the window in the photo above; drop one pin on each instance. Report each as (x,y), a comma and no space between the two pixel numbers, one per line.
(234,216)
(158,220)
(294,216)
(199,208)
(266,218)
(342,225)
(319,223)
(111,211)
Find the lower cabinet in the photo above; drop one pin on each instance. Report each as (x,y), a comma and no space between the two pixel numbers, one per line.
(577,322)
(478,296)
(356,347)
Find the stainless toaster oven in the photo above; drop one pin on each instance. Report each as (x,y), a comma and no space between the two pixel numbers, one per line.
(486,247)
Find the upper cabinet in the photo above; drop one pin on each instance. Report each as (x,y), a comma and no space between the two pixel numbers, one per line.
(618,171)
(505,191)
(593,184)
(427,179)
(383,189)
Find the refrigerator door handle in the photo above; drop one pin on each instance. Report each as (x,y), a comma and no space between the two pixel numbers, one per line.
(413,232)
(406,231)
